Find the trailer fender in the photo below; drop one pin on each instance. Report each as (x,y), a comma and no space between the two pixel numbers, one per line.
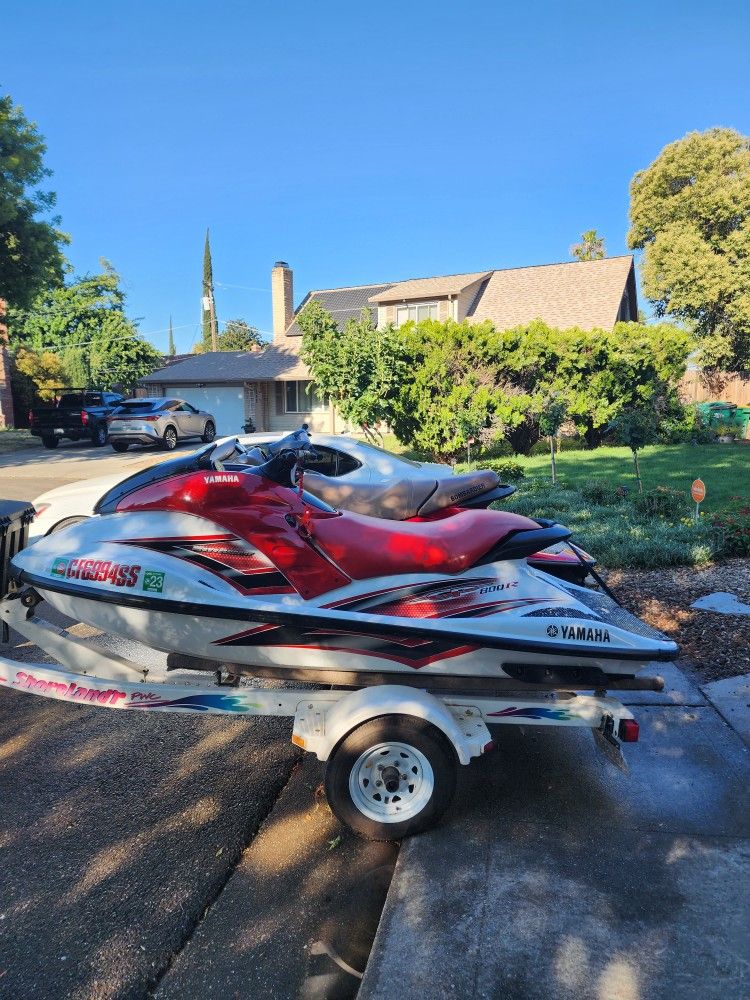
(320,726)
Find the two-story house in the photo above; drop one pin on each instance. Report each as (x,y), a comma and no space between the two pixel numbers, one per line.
(272,387)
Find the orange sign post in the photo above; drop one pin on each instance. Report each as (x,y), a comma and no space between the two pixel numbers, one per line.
(698,493)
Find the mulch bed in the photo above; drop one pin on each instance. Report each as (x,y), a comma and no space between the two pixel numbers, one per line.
(718,645)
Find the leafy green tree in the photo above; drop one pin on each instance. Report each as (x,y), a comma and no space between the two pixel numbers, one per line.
(84,322)
(637,425)
(690,214)
(31,256)
(445,392)
(45,370)
(551,419)
(171,351)
(359,368)
(239,336)
(591,246)
(600,372)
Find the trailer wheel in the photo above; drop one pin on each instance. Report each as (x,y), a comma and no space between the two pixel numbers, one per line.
(391,777)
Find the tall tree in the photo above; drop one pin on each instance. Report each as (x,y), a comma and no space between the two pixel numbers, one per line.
(31,256)
(358,368)
(690,214)
(171,349)
(209,307)
(84,323)
(591,246)
(238,335)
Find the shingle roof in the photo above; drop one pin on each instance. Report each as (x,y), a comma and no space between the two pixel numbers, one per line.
(341,303)
(228,367)
(586,293)
(423,288)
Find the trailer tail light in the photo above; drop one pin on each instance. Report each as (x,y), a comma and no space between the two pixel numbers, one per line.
(84,417)
(629,730)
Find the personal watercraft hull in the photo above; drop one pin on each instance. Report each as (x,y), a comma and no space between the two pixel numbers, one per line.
(170,584)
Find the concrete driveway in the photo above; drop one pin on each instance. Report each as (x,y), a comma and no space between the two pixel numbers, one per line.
(557,877)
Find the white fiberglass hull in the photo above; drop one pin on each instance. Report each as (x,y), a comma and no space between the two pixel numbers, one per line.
(165,585)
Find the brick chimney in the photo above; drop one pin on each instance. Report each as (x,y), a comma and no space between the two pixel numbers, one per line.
(282,300)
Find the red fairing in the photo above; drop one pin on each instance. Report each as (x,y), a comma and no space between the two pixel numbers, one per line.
(255,509)
(318,550)
(368,546)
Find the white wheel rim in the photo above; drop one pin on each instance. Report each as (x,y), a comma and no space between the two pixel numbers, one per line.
(399,762)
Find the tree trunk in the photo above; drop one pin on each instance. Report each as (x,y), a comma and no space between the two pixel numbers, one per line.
(593,435)
(637,471)
(552,456)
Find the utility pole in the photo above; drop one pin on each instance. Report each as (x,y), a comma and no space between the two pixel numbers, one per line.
(214,331)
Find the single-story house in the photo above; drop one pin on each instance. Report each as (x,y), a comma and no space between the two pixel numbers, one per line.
(272,387)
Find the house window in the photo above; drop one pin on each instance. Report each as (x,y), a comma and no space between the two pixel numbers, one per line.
(417,312)
(302,397)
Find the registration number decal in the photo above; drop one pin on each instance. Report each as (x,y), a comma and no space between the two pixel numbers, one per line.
(96,571)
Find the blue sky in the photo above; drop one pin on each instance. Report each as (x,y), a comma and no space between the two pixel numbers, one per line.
(361,143)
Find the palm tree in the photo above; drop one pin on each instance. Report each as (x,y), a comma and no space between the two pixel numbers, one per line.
(591,246)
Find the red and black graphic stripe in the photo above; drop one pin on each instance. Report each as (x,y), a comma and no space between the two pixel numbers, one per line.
(439,599)
(410,651)
(226,556)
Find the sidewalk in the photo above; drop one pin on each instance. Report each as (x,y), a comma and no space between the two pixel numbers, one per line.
(555,876)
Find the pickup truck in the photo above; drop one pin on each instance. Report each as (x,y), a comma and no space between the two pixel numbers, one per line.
(76,414)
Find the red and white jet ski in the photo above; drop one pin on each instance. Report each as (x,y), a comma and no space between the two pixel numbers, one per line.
(441,625)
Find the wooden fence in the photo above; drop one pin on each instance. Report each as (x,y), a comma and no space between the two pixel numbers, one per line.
(694,390)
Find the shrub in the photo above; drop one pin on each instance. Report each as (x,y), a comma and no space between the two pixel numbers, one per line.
(599,491)
(506,468)
(662,502)
(685,425)
(619,534)
(734,528)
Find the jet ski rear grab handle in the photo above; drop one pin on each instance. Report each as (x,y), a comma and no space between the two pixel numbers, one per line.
(322,718)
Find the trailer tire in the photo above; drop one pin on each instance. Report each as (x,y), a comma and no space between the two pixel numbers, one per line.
(50,441)
(424,788)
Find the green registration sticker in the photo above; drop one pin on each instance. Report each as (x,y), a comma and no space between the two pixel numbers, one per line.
(153,581)
(59,567)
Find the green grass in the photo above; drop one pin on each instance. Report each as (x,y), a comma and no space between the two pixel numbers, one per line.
(15,440)
(724,468)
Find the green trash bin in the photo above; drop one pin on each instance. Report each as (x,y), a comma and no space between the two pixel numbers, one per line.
(742,418)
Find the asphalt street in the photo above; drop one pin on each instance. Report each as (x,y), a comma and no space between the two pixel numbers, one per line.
(128,841)
(26,473)
(117,832)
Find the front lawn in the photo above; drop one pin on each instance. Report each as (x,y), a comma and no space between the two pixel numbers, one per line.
(15,440)
(724,468)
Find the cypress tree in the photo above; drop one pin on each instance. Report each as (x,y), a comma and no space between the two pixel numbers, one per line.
(171,351)
(208,291)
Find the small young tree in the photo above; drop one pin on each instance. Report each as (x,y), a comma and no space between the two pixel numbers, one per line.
(636,426)
(171,350)
(551,419)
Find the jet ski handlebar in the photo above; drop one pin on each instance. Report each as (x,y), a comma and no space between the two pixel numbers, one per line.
(278,460)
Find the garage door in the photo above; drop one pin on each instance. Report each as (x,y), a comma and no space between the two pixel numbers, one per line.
(227,403)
